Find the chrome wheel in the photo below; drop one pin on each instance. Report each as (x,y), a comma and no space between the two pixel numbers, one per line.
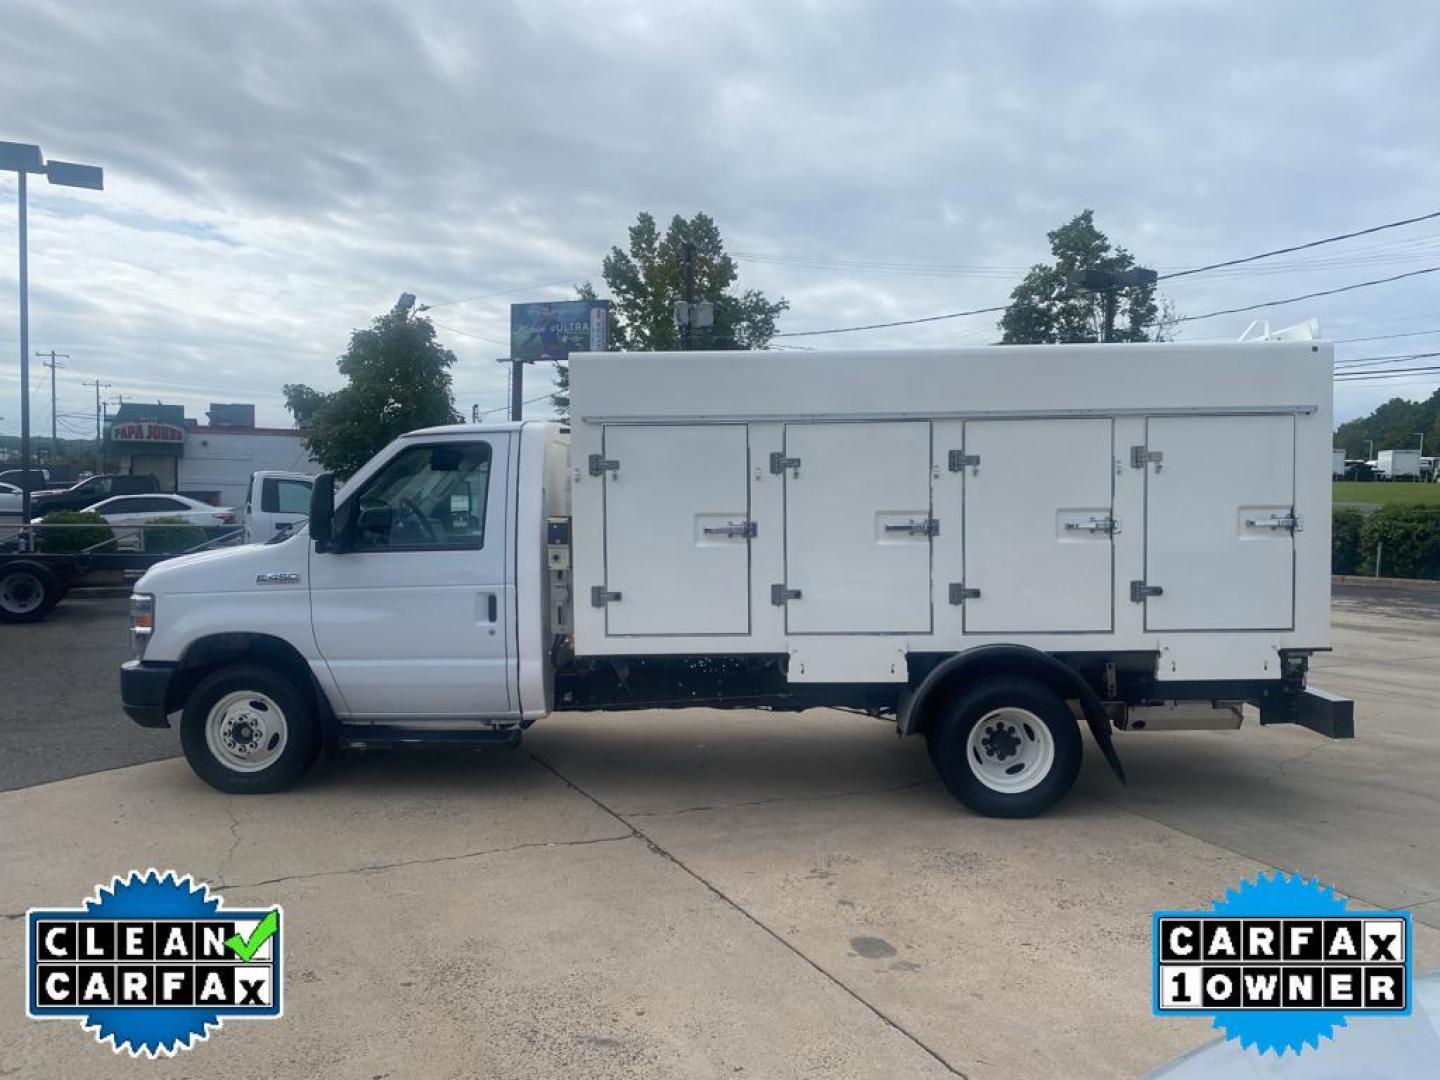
(246,731)
(21,592)
(1010,750)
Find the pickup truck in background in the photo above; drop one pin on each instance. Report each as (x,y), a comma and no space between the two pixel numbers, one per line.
(989,547)
(275,503)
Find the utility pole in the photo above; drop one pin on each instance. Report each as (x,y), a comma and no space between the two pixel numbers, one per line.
(687,334)
(52,364)
(98,416)
(517,384)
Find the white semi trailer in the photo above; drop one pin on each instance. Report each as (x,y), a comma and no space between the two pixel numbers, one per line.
(988,546)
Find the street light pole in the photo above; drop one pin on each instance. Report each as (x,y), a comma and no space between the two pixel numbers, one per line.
(1108,284)
(24,355)
(23,159)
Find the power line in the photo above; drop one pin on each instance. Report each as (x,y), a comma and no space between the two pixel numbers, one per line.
(1390,358)
(898,322)
(502,292)
(1302,247)
(1383,337)
(467,333)
(1365,376)
(1309,296)
(1184,273)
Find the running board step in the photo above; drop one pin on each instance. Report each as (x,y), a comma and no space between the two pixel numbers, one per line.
(378,736)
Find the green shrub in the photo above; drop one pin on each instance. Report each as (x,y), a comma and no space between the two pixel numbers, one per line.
(172,534)
(1411,539)
(53,540)
(1345,541)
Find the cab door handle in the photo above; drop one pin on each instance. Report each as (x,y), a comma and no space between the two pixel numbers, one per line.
(493,606)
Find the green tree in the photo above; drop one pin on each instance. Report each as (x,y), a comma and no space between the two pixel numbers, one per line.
(1395,425)
(399,380)
(650,275)
(1045,309)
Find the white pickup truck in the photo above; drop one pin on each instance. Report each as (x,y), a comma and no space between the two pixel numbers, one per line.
(987,546)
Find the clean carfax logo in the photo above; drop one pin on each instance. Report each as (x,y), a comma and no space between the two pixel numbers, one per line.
(152,962)
(1280,962)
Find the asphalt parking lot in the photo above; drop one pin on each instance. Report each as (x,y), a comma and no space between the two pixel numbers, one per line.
(709,894)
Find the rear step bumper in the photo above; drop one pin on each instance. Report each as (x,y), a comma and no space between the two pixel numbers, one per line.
(1329,714)
(1319,710)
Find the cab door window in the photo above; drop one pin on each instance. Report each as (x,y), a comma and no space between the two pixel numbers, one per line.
(426,497)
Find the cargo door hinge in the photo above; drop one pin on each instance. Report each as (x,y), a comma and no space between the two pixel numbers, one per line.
(1141,456)
(600,465)
(779,594)
(959,593)
(779,463)
(599,597)
(1139,591)
(960,461)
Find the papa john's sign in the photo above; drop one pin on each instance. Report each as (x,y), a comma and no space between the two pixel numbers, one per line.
(147,431)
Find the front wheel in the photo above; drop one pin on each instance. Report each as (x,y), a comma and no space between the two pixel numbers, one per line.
(1007,747)
(248,729)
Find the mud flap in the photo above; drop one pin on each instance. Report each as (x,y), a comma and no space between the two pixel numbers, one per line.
(1101,731)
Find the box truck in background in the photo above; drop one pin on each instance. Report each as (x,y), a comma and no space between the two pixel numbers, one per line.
(989,547)
(1398,464)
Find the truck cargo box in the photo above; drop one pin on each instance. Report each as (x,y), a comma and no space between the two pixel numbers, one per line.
(849,510)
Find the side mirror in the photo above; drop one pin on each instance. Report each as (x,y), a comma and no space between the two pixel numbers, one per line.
(322,510)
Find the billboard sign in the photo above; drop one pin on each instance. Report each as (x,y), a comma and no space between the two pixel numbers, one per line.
(553,329)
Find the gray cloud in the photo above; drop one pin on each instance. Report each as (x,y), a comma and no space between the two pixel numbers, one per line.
(277,173)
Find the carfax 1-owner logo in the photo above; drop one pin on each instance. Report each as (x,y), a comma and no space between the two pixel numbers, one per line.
(1280,962)
(152,962)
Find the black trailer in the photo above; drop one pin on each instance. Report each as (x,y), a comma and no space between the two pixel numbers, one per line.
(33,580)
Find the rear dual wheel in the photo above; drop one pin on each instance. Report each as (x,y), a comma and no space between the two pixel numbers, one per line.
(27,592)
(1006,747)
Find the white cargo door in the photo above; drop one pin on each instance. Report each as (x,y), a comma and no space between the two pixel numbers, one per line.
(1038,525)
(858,527)
(1218,506)
(677,508)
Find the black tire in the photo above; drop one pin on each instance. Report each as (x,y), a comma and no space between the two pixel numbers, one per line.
(292,755)
(28,590)
(962,763)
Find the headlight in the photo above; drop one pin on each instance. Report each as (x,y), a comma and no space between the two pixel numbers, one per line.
(142,622)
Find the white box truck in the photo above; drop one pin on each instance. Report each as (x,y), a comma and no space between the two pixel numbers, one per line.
(1398,464)
(989,547)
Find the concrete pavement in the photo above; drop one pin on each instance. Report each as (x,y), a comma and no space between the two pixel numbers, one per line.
(726,894)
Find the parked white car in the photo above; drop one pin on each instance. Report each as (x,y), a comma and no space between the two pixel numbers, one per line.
(144,509)
(10,503)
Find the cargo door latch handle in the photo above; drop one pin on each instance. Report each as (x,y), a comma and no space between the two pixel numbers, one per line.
(1289,522)
(917,527)
(733,528)
(599,596)
(779,594)
(1101,524)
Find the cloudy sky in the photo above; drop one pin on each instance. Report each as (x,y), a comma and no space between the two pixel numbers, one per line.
(278,172)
